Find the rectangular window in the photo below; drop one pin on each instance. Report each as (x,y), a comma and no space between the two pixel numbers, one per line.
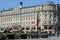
(45,21)
(49,22)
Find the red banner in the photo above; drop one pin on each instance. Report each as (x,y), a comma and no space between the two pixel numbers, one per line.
(33,22)
(38,22)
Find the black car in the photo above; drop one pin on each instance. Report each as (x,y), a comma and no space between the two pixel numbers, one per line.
(44,35)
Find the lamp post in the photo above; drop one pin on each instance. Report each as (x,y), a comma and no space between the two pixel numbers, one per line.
(21,4)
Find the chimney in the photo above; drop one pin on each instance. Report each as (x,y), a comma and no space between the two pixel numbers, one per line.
(21,4)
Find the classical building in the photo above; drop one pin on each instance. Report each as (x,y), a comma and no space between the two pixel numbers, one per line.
(44,17)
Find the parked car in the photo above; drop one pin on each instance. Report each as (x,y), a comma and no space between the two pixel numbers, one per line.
(44,35)
(3,36)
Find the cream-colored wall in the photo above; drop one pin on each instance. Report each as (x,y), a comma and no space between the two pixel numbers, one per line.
(28,18)
(26,15)
(10,18)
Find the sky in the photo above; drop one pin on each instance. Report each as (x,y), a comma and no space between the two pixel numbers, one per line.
(6,4)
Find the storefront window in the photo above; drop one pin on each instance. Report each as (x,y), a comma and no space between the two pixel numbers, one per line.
(27,28)
(50,27)
(22,28)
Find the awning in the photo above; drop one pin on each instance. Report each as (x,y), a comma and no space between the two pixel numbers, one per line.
(1,28)
(27,27)
(7,28)
(15,27)
(33,27)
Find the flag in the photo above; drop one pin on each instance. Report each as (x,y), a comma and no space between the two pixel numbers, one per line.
(38,22)
(33,22)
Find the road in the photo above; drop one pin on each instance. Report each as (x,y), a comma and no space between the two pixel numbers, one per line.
(50,38)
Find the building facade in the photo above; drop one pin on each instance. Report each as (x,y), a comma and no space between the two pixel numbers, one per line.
(44,17)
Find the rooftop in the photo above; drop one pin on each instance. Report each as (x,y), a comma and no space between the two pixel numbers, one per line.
(49,2)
